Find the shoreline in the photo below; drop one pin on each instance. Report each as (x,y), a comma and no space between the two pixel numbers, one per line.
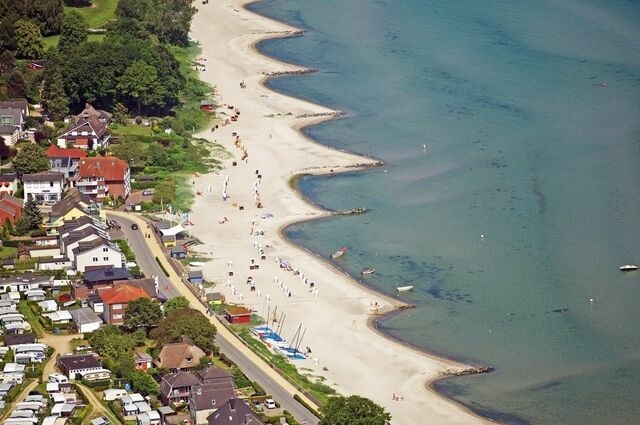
(404,359)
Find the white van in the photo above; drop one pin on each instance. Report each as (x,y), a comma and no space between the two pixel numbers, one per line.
(113,394)
(58,377)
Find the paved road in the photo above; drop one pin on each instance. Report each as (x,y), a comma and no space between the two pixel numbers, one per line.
(144,258)
(254,367)
(257,374)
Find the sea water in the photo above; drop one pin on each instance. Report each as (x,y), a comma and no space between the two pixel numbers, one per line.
(512,221)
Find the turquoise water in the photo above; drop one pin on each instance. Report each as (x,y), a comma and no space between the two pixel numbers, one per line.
(524,146)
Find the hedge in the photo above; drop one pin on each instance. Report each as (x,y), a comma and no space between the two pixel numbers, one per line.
(166,273)
(317,414)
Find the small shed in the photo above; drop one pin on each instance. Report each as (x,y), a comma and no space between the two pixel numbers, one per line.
(196,277)
(178,252)
(169,240)
(207,105)
(237,314)
(48,306)
(215,298)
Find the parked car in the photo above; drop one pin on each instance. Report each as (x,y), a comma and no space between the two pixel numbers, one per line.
(257,405)
(270,404)
(134,226)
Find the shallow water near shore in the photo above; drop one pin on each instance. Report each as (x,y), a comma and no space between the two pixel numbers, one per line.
(512,223)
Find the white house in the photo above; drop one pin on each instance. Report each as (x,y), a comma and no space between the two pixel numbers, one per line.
(61,263)
(60,316)
(98,252)
(48,306)
(45,187)
(86,320)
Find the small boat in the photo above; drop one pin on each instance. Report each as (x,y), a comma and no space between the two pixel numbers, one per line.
(628,267)
(404,288)
(368,271)
(196,264)
(339,253)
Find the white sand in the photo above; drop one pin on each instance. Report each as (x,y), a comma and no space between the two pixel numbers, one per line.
(359,360)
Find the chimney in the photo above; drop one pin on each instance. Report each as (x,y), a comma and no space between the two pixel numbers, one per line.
(232,404)
(199,390)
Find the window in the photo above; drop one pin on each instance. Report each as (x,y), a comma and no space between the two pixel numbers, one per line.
(94,259)
(117,316)
(105,249)
(117,307)
(105,258)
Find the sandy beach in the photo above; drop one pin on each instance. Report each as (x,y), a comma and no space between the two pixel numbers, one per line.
(335,311)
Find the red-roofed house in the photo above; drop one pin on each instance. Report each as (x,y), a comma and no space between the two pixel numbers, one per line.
(86,133)
(116,299)
(65,160)
(103,176)
(10,208)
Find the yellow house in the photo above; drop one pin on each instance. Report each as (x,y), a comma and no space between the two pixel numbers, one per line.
(73,206)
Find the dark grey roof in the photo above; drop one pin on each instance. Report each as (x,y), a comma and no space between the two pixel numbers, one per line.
(107,274)
(234,412)
(8,177)
(21,104)
(177,380)
(213,373)
(14,339)
(195,274)
(211,396)
(79,361)
(45,176)
(25,278)
(178,248)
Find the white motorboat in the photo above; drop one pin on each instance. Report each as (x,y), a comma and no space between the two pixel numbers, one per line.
(404,288)
(339,253)
(628,267)
(196,264)
(368,271)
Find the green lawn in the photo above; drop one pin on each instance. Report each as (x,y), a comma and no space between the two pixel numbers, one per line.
(98,14)
(52,41)
(8,252)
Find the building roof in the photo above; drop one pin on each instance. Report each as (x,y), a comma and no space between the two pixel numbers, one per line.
(195,274)
(91,112)
(8,177)
(70,225)
(26,278)
(213,373)
(237,310)
(146,283)
(90,245)
(45,176)
(79,361)
(21,104)
(14,115)
(109,167)
(73,199)
(211,396)
(10,199)
(85,315)
(234,412)
(179,355)
(142,357)
(97,127)
(15,339)
(214,296)
(106,274)
(122,294)
(54,151)
(179,380)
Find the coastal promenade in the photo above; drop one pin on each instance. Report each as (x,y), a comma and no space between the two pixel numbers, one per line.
(253,366)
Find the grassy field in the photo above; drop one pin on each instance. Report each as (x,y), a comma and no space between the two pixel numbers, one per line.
(96,16)
(52,41)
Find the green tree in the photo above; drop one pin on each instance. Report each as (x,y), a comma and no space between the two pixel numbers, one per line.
(7,61)
(31,158)
(109,341)
(353,410)
(132,151)
(47,13)
(142,313)
(77,3)
(120,113)
(28,40)
(53,96)
(74,31)
(16,86)
(31,214)
(21,227)
(5,151)
(144,384)
(176,303)
(186,322)
(140,81)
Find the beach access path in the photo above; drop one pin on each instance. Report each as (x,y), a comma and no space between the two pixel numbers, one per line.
(230,217)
